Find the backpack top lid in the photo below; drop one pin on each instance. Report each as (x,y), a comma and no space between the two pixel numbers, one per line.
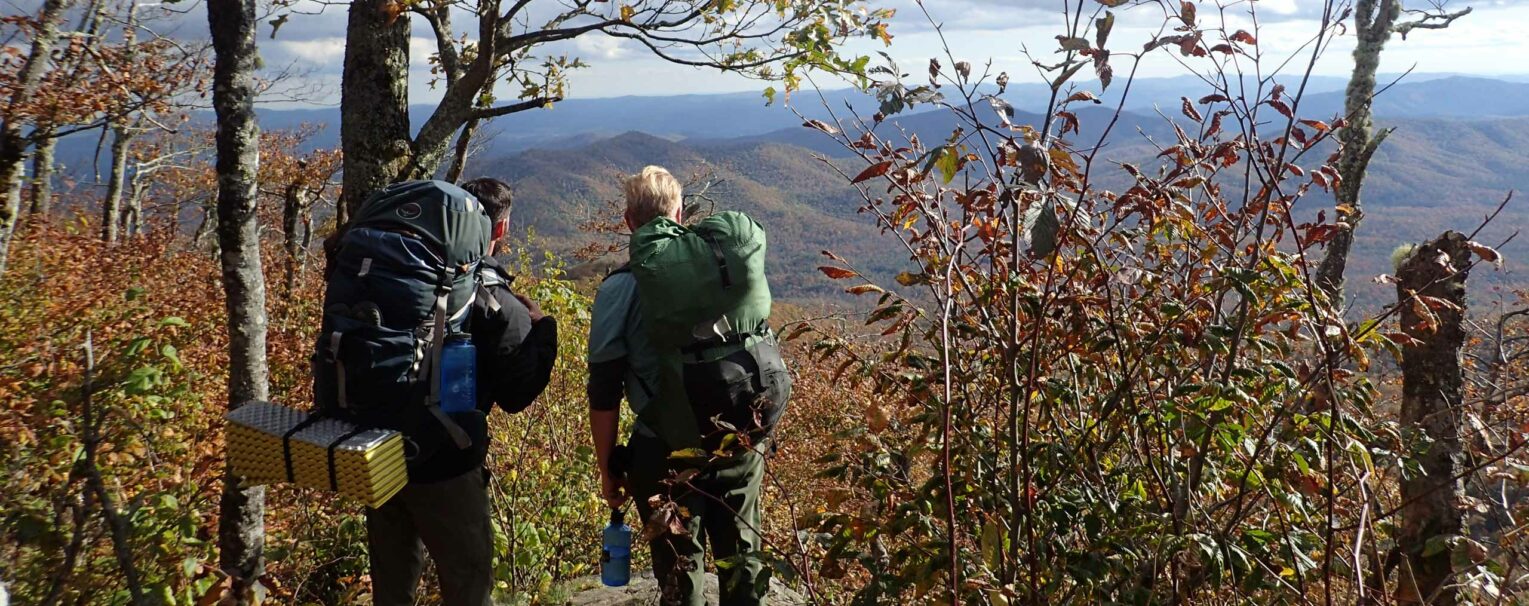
(443,216)
(689,278)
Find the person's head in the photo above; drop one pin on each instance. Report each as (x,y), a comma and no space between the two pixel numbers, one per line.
(494,195)
(651,194)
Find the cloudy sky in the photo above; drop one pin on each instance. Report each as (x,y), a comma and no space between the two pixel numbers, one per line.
(1490,41)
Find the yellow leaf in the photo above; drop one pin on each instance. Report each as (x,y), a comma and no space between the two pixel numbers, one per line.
(627,12)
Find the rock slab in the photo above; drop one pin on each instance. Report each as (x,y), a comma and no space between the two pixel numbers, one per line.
(643,591)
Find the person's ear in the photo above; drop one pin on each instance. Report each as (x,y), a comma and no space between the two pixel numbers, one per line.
(500,228)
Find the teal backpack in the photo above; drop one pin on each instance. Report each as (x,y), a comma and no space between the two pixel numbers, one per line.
(401,280)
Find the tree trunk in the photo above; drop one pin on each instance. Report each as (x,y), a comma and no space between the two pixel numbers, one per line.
(206,227)
(12,164)
(1432,385)
(291,219)
(13,145)
(132,211)
(1373,20)
(111,207)
(42,177)
(241,525)
(374,102)
(464,145)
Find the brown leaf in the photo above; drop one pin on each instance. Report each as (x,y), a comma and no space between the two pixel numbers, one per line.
(1487,253)
(1103,70)
(1187,12)
(1072,43)
(1244,37)
(1215,125)
(822,126)
(875,170)
(1189,111)
(837,273)
(1082,95)
(1427,321)
(1069,122)
(1317,125)
(1280,107)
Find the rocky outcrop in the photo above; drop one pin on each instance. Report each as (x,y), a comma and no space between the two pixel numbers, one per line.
(643,591)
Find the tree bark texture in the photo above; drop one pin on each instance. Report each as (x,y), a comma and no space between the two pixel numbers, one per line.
(1432,386)
(13,144)
(132,210)
(1373,22)
(42,177)
(116,183)
(374,101)
(463,150)
(241,527)
(294,207)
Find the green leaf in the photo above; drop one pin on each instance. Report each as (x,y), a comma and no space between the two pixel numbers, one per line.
(174,321)
(688,453)
(949,163)
(992,544)
(171,354)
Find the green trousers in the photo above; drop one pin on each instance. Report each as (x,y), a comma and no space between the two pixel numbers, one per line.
(450,519)
(724,513)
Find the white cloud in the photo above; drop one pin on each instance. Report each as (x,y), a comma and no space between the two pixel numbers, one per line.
(1283,8)
(1482,43)
(601,47)
(314,51)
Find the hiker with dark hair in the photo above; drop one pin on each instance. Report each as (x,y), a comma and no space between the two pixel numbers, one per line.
(697,363)
(403,233)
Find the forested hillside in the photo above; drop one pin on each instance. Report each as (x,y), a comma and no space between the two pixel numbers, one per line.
(1432,174)
(1052,333)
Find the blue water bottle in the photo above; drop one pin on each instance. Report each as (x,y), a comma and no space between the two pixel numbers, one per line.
(616,553)
(459,374)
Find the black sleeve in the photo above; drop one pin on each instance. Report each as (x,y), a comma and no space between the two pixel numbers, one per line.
(521,376)
(606,383)
(515,355)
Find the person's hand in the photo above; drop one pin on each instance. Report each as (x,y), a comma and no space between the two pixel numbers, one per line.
(531,306)
(613,491)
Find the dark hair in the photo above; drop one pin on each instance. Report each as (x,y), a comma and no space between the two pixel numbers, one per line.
(493,193)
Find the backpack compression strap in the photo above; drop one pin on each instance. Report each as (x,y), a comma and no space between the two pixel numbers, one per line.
(437,343)
(716,253)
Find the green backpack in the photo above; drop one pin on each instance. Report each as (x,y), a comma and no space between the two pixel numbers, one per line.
(706,303)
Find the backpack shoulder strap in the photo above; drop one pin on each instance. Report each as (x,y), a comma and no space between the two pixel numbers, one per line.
(625,268)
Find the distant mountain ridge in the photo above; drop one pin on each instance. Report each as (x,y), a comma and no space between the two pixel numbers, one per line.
(1432,174)
(733,115)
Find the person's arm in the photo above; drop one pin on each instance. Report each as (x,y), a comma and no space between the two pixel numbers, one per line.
(608,364)
(524,374)
(606,384)
(518,353)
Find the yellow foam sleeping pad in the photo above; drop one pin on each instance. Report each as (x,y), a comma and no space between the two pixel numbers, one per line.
(367,464)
